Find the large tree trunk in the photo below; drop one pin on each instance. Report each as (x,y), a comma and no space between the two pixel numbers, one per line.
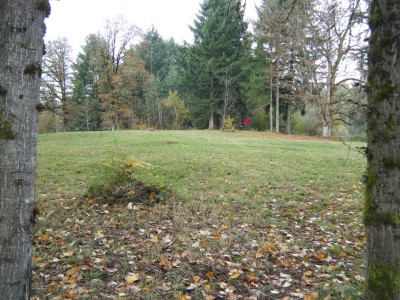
(382,196)
(21,22)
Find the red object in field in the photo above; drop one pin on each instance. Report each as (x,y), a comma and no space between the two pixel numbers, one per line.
(245,122)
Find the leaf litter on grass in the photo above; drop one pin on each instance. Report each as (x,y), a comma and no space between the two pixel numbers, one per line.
(165,251)
(287,242)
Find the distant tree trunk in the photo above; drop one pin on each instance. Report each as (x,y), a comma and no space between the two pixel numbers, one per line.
(211,121)
(289,118)
(382,196)
(277,105)
(327,119)
(21,48)
(271,108)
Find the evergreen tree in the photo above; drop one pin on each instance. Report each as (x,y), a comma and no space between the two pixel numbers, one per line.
(217,55)
(86,113)
(160,58)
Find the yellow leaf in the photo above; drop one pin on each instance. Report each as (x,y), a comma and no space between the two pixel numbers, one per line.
(308,273)
(147,288)
(72,281)
(183,297)
(154,238)
(235,275)
(53,286)
(210,275)
(132,278)
(196,278)
(99,234)
(44,237)
(252,276)
(68,254)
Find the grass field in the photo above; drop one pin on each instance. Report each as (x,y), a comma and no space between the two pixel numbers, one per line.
(251,216)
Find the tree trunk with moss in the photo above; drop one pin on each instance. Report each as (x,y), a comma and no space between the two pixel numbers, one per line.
(382,204)
(21,48)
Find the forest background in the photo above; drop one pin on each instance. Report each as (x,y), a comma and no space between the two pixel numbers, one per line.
(300,71)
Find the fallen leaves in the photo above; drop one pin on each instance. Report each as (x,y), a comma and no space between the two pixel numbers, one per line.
(166,252)
(132,278)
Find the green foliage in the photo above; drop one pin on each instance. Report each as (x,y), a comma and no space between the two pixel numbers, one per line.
(259,120)
(115,183)
(47,122)
(219,51)
(229,124)
(175,114)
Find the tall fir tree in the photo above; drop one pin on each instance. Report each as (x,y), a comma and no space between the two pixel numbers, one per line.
(85,111)
(217,56)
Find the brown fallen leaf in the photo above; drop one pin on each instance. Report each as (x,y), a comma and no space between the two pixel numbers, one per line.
(165,264)
(70,294)
(210,275)
(313,296)
(320,256)
(53,286)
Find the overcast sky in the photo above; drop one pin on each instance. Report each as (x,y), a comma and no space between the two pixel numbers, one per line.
(75,19)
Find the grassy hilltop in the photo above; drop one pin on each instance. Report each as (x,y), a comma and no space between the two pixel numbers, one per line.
(247,215)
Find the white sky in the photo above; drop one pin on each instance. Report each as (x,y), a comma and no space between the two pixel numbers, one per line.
(75,19)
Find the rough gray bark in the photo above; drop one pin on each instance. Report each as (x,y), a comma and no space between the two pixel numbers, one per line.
(21,48)
(382,203)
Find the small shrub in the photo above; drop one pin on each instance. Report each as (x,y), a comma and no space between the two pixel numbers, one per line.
(228,124)
(116,184)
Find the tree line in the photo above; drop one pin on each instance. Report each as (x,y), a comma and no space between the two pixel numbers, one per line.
(301,71)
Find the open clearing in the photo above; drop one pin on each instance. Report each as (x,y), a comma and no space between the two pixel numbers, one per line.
(252,216)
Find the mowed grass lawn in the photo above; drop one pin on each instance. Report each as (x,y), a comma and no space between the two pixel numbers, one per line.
(251,216)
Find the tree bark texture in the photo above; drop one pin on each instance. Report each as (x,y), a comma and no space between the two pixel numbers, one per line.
(382,196)
(21,49)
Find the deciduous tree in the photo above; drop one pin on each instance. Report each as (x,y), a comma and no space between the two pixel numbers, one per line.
(21,48)
(56,83)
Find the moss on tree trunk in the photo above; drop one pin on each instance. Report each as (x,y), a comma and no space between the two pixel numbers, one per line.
(382,193)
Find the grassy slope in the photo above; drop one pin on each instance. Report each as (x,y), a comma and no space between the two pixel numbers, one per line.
(282,213)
